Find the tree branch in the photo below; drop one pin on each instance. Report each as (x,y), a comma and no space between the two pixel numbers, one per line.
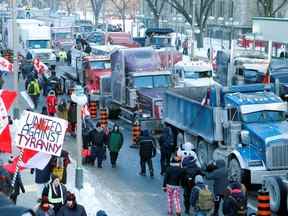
(284,2)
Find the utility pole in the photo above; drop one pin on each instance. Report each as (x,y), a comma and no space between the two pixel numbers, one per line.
(192,34)
(15,62)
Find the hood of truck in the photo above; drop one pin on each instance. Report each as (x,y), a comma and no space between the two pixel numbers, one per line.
(266,131)
(198,82)
(95,76)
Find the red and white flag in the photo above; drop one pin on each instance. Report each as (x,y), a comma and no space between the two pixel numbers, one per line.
(30,159)
(39,66)
(5,65)
(6,101)
(85,111)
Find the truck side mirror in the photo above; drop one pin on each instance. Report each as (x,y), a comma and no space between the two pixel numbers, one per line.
(245,137)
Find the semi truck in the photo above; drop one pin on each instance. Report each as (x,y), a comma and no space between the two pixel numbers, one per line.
(62,38)
(245,125)
(32,36)
(138,84)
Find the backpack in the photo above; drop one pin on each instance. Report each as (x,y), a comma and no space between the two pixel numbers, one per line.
(205,200)
(188,161)
(31,88)
(239,202)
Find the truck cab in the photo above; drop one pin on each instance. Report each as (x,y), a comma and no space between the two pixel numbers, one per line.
(193,73)
(158,37)
(61,38)
(97,73)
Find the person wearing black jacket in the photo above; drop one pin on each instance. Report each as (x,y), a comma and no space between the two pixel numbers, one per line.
(97,149)
(17,186)
(147,150)
(166,148)
(172,186)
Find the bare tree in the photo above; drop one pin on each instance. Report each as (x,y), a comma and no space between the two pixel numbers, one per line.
(69,5)
(122,8)
(269,8)
(97,6)
(156,7)
(201,12)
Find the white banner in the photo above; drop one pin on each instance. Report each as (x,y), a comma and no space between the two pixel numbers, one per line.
(41,133)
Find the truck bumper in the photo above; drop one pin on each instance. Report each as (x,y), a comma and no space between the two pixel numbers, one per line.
(257,176)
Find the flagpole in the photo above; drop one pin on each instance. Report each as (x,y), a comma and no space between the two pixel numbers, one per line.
(17,167)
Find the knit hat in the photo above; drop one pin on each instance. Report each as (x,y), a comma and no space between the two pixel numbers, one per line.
(199,179)
(71,196)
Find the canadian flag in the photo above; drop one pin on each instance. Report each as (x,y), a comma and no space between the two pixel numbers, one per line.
(5,65)
(6,100)
(267,78)
(30,159)
(39,66)
(85,111)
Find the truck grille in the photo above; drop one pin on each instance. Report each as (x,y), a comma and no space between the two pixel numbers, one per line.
(106,85)
(276,155)
(43,56)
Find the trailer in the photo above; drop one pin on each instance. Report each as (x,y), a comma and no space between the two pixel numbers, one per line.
(244,125)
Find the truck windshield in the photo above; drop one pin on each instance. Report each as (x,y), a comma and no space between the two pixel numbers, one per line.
(62,35)
(160,81)
(38,44)
(263,116)
(197,74)
(100,65)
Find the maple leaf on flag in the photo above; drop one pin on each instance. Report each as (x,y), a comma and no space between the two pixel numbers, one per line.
(42,125)
(6,100)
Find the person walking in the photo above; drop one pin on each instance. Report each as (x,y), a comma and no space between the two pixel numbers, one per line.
(34,91)
(17,186)
(72,118)
(235,199)
(62,110)
(44,208)
(147,150)
(51,102)
(27,69)
(166,148)
(62,56)
(115,144)
(201,198)
(172,186)
(97,149)
(56,192)
(72,208)
(185,46)
(219,176)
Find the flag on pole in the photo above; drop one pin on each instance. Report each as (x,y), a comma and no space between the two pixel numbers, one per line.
(6,100)
(85,111)
(5,65)
(267,78)
(39,66)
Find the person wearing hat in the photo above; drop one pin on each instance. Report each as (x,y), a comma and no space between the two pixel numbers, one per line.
(44,208)
(114,144)
(72,208)
(51,103)
(172,186)
(56,193)
(27,69)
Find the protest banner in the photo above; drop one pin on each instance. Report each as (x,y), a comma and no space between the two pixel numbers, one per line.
(41,133)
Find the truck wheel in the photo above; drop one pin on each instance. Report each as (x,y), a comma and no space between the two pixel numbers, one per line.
(277,193)
(234,170)
(202,153)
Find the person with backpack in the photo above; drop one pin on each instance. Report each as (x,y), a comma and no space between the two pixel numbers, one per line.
(201,198)
(191,168)
(34,91)
(97,149)
(166,148)
(235,199)
(187,150)
(115,144)
(147,150)
(219,176)
(51,101)
(172,186)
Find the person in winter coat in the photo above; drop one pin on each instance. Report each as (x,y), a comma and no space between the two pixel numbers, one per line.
(56,192)
(72,208)
(16,190)
(235,199)
(115,143)
(199,185)
(172,186)
(66,161)
(72,118)
(147,150)
(187,150)
(34,91)
(27,69)
(97,149)
(166,148)
(51,102)
(62,109)
(101,213)
(44,209)
(185,47)
(219,175)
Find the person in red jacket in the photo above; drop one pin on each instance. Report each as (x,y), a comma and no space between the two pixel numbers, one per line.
(51,101)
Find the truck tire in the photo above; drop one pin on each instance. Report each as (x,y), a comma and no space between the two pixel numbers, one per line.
(277,193)
(234,170)
(203,153)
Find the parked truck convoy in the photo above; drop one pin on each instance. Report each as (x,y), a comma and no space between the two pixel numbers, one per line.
(138,83)
(32,36)
(245,125)
(62,38)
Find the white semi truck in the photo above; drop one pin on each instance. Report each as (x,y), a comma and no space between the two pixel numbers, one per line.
(32,36)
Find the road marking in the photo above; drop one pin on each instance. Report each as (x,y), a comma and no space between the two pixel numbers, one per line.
(30,188)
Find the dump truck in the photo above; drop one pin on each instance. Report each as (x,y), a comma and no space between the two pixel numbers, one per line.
(244,125)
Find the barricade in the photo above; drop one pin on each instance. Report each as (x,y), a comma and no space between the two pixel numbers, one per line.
(104,117)
(263,206)
(136,132)
(93,109)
